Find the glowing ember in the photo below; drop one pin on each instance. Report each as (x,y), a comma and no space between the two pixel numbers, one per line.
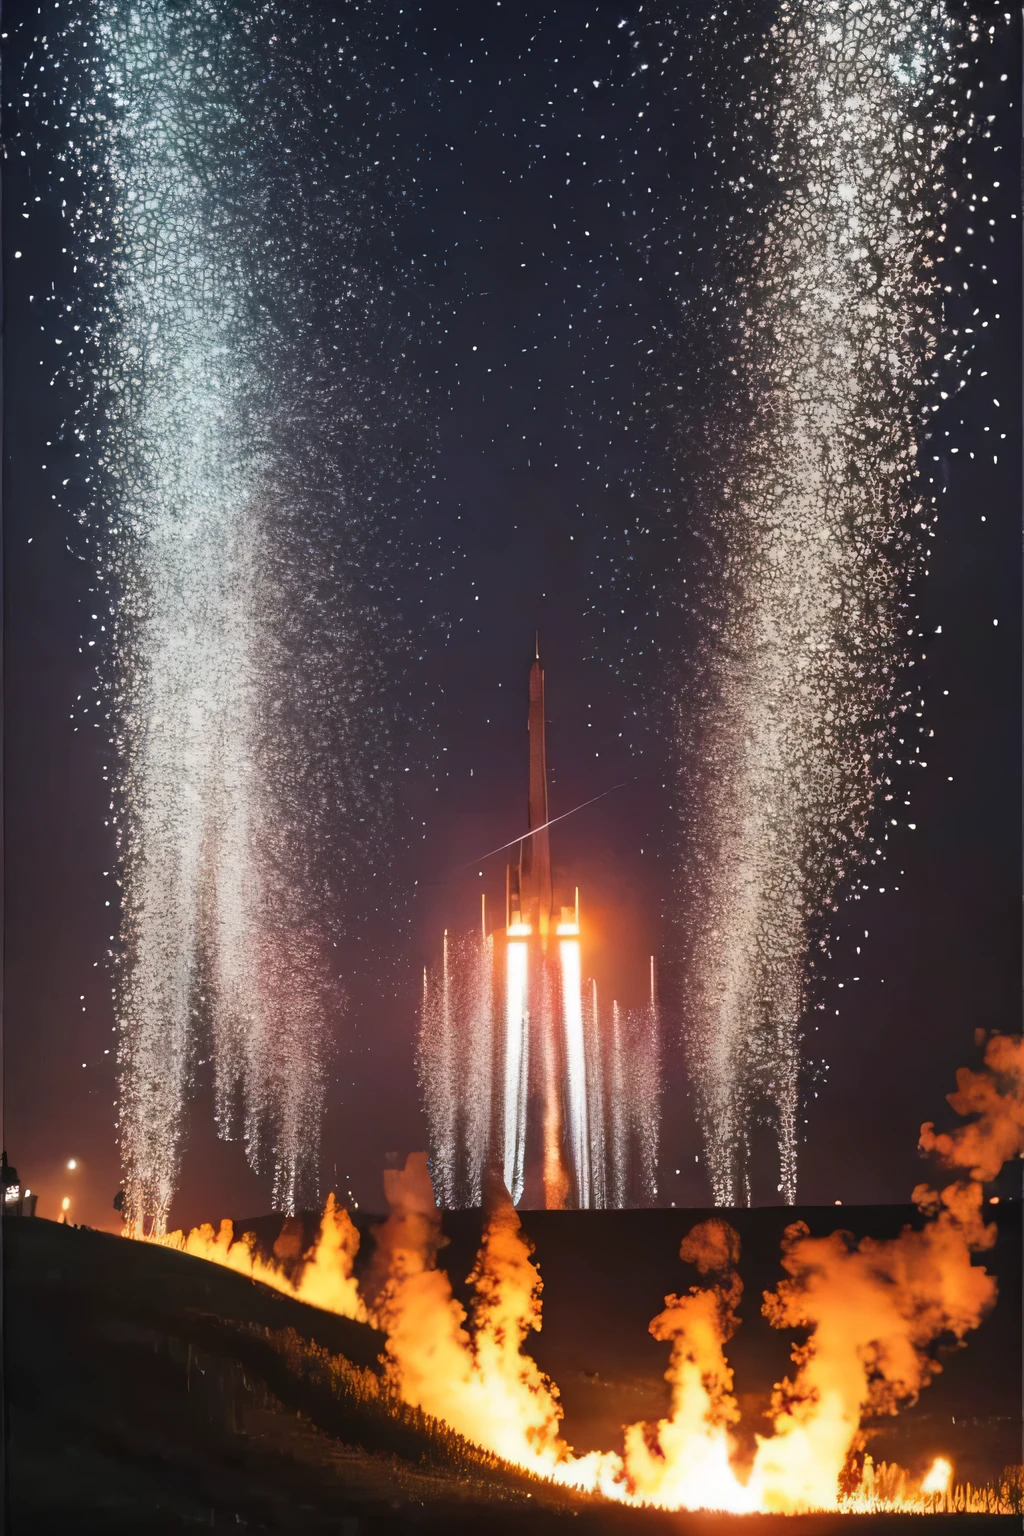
(938,1477)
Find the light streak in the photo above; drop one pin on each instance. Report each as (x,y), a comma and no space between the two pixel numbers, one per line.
(596,1050)
(438,1066)
(477,1063)
(520,1069)
(575,1067)
(618,1193)
(454,1065)
(550,823)
(517,985)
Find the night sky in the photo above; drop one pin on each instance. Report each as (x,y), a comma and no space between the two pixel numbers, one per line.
(546,190)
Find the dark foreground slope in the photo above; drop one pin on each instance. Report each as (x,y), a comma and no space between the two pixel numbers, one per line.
(149,1391)
(145,1391)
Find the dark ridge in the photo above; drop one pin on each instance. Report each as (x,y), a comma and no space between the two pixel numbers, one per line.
(146,1391)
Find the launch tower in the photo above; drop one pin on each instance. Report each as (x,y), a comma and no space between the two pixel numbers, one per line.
(545,1132)
(521,1074)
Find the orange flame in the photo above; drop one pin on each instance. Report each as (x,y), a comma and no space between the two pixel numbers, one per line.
(482,1385)
(685,1462)
(938,1477)
(871,1310)
(324,1280)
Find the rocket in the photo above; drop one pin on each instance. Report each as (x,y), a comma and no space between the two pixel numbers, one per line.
(536,1057)
(553,1113)
(529,895)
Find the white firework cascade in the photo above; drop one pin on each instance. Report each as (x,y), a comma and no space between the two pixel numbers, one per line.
(235,668)
(817,524)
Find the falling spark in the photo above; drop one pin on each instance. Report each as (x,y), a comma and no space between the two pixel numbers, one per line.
(479,1056)
(454,1064)
(643,1097)
(596,1052)
(229,525)
(619,1115)
(438,1066)
(836,320)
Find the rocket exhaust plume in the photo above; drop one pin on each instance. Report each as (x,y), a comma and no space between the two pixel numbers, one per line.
(516,1064)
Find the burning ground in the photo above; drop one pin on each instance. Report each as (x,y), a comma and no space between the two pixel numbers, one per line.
(149,1363)
(150,1391)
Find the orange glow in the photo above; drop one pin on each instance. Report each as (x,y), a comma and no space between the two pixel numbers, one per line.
(480,1383)
(575,1065)
(324,1280)
(869,1311)
(938,1477)
(516,1064)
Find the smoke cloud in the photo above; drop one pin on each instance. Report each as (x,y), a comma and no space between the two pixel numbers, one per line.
(870,1311)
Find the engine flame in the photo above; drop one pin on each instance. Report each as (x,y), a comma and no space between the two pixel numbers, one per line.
(521,1066)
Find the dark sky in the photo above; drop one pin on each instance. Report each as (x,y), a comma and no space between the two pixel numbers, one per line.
(533,309)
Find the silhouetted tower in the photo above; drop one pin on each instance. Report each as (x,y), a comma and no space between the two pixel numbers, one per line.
(535,1152)
(535,852)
